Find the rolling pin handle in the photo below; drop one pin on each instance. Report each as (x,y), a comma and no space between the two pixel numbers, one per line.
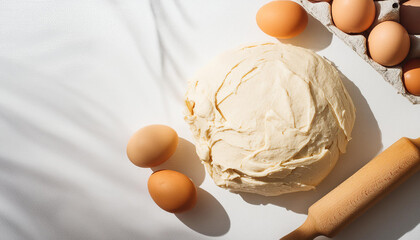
(360,191)
(307,231)
(416,142)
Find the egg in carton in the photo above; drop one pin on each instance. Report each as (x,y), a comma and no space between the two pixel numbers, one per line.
(386,10)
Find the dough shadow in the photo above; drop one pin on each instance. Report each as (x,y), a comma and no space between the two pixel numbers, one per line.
(208,217)
(365,144)
(315,36)
(185,160)
(391,218)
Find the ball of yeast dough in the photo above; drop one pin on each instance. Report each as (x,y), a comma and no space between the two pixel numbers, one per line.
(269,118)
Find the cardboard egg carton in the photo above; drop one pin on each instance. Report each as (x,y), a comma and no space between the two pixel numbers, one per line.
(386,10)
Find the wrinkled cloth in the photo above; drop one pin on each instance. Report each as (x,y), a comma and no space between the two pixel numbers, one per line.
(78,77)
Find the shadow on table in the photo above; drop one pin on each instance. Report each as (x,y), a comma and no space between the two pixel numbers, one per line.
(391,218)
(365,144)
(208,217)
(315,36)
(185,160)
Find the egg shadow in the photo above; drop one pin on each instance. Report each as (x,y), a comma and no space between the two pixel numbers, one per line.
(365,144)
(185,160)
(208,217)
(315,36)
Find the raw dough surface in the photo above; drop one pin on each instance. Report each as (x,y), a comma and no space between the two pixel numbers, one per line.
(269,118)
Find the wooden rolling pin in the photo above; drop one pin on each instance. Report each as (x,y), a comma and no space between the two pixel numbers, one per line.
(360,191)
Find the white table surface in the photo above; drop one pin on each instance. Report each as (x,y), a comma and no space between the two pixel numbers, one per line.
(78,77)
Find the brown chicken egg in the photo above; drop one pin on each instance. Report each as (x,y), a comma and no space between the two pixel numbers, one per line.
(411,70)
(172,191)
(282,19)
(152,145)
(388,43)
(410,16)
(353,16)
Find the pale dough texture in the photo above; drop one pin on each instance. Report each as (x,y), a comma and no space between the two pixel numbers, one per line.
(269,118)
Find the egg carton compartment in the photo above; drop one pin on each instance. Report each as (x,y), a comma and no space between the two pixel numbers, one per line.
(386,10)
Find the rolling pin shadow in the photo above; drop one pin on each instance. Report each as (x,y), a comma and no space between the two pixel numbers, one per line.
(360,191)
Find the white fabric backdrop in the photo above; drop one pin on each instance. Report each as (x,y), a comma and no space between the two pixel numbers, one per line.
(78,77)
